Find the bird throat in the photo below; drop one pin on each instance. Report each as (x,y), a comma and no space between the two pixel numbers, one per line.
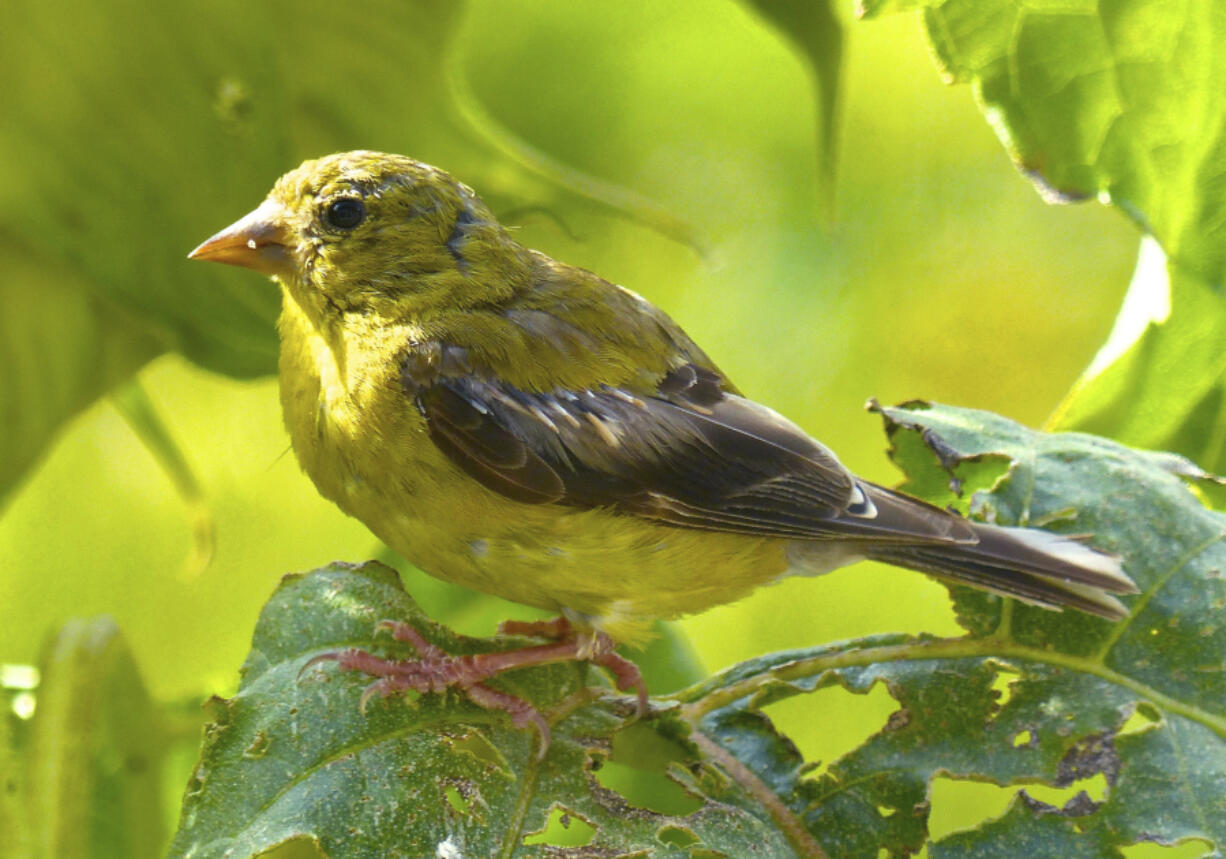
(315,341)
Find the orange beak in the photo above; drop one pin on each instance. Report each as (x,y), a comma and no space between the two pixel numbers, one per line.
(259,241)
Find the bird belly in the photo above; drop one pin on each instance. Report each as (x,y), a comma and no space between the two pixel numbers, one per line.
(616,571)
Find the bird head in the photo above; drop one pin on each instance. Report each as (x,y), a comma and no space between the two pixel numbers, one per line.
(369,232)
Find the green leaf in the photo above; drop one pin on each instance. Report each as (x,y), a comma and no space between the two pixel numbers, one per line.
(123,212)
(94,750)
(814,30)
(60,348)
(1123,99)
(1159,380)
(1072,686)
(292,757)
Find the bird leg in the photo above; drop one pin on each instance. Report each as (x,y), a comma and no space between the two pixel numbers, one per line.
(600,650)
(434,670)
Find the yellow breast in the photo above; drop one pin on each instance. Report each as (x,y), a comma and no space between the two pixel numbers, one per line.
(363,442)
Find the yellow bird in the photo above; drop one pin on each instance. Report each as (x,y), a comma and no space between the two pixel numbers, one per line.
(528,429)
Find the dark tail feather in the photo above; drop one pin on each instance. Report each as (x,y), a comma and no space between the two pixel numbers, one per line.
(1034,566)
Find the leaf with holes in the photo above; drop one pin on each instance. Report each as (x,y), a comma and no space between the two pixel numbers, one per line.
(293,759)
(1141,702)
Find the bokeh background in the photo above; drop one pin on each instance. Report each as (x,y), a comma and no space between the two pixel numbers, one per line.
(924,266)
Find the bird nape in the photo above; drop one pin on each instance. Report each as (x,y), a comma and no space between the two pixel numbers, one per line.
(528,429)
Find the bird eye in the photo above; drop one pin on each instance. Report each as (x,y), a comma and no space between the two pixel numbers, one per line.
(345,213)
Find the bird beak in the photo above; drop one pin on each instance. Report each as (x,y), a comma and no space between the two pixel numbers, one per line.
(259,241)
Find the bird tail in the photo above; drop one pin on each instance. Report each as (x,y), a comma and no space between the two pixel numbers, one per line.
(1035,566)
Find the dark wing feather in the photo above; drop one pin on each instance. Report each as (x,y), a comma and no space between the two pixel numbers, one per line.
(693,456)
(486,450)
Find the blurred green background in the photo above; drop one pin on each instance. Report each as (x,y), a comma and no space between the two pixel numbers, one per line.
(938,273)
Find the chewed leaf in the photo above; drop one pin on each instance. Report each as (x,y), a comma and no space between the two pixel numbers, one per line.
(1071,685)
(293,758)
(1132,503)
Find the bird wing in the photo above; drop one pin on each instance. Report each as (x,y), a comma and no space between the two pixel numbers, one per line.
(691,455)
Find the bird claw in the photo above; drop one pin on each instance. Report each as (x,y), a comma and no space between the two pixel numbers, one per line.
(406,634)
(626,676)
(330,656)
(435,671)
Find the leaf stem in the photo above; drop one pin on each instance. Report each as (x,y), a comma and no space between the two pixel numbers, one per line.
(791,826)
(1158,583)
(945,649)
(470,113)
(532,768)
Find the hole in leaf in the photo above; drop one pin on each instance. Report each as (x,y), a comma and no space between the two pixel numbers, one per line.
(1023,738)
(653,791)
(1004,685)
(1095,787)
(478,745)
(829,723)
(886,811)
(563,829)
(636,770)
(961,804)
(1145,716)
(676,836)
(1191,848)
(456,800)
(298,847)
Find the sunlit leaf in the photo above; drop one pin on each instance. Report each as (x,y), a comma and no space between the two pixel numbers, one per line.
(123,211)
(1123,99)
(1159,380)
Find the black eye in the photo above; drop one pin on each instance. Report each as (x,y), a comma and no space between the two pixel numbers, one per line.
(345,213)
